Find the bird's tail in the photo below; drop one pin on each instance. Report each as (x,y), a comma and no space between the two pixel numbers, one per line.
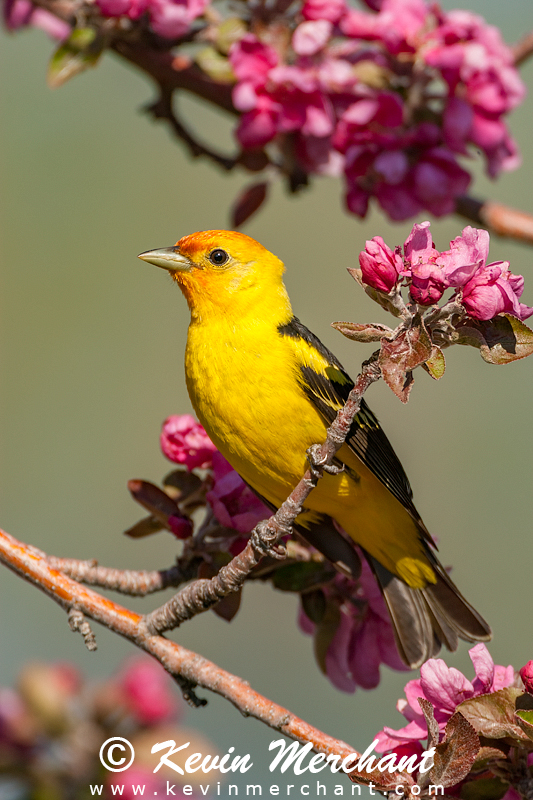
(425,619)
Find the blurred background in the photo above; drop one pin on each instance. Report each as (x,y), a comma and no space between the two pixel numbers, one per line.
(92,362)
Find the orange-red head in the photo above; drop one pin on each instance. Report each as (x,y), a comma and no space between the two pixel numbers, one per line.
(221,271)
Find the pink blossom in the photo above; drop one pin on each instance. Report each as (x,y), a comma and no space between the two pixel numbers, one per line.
(173,18)
(148,691)
(312,36)
(233,502)
(118,8)
(251,60)
(380,265)
(126,784)
(427,279)
(184,441)
(330,10)
(445,687)
(495,290)
(18,13)
(526,673)
(363,639)
(433,272)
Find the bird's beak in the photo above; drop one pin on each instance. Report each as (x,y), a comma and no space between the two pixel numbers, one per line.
(168,258)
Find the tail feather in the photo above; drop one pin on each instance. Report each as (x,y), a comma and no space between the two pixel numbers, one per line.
(424,619)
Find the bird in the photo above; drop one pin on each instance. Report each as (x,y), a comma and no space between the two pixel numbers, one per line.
(266,389)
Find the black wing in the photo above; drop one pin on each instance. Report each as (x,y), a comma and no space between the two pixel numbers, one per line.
(328,391)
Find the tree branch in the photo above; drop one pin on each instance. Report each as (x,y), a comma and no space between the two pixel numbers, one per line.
(190,669)
(498,218)
(523,49)
(131,582)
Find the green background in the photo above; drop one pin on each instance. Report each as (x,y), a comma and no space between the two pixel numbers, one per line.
(91,363)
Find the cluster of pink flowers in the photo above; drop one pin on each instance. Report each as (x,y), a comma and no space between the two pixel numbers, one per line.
(184,441)
(390,96)
(390,99)
(19,13)
(445,688)
(53,724)
(484,290)
(363,638)
(168,18)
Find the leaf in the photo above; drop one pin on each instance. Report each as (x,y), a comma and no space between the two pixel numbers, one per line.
(228,32)
(484,789)
(371,332)
(314,605)
(248,202)
(324,633)
(215,65)
(153,499)
(227,607)
(493,715)
(525,721)
(456,754)
(436,364)
(181,483)
(301,577)
(399,357)
(486,755)
(145,527)
(431,722)
(502,339)
(79,52)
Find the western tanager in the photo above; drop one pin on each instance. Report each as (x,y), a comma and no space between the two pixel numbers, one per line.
(265,389)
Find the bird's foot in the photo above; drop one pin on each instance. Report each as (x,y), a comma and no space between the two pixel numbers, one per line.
(318,464)
(264,540)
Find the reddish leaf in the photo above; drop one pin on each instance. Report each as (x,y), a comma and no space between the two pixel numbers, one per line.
(399,357)
(248,203)
(500,340)
(153,499)
(228,606)
(493,715)
(456,754)
(145,527)
(431,722)
(371,332)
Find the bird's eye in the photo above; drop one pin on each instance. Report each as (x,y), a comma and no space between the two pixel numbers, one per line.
(218,257)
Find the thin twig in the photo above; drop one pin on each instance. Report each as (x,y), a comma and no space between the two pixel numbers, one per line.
(163,109)
(78,623)
(136,583)
(498,218)
(185,665)
(265,538)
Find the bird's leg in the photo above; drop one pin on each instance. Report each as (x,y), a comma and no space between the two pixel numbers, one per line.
(265,540)
(317,462)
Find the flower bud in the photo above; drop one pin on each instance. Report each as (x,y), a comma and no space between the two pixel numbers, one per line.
(184,441)
(380,265)
(526,673)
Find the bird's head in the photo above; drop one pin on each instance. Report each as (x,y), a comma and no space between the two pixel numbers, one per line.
(219,270)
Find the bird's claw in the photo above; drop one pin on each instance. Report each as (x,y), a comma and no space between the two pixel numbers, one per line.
(264,540)
(317,461)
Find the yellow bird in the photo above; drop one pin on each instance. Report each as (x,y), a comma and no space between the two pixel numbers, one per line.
(265,389)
